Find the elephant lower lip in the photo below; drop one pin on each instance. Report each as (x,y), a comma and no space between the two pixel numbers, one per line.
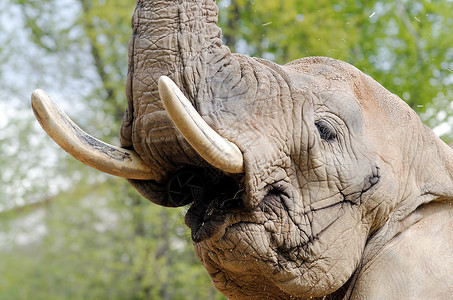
(213,195)
(206,219)
(203,221)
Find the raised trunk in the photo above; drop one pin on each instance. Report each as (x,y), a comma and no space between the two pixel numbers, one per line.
(173,38)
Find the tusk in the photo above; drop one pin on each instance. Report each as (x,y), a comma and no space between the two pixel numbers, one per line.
(215,149)
(87,149)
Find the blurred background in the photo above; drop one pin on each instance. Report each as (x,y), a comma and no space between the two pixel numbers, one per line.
(70,232)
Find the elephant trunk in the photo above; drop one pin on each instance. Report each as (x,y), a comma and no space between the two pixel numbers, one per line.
(178,39)
(181,40)
(231,92)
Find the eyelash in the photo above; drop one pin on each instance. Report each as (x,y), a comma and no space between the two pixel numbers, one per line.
(326,130)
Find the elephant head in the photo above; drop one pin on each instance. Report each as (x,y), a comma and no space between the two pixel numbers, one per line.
(297,175)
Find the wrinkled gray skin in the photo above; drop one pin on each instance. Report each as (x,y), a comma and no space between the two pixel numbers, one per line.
(345,192)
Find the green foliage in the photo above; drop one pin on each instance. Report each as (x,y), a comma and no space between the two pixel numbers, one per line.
(100,242)
(106,25)
(286,30)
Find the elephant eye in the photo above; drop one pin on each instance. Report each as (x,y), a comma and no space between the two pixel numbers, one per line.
(326,130)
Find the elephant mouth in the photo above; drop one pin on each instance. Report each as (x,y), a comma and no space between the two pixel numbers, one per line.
(212,196)
(205,219)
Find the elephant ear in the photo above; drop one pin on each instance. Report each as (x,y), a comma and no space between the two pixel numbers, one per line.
(435,178)
(421,162)
(416,166)
(435,194)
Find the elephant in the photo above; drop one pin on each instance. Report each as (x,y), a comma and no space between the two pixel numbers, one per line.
(304,180)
